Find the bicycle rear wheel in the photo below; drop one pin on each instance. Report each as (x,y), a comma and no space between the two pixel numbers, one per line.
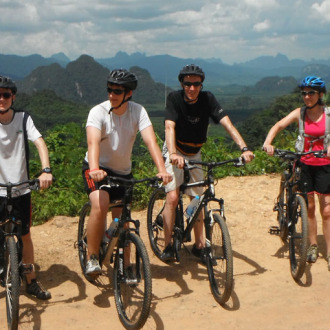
(220,260)
(12,283)
(82,239)
(132,283)
(298,239)
(155,221)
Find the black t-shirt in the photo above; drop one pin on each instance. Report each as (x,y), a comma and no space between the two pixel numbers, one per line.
(192,120)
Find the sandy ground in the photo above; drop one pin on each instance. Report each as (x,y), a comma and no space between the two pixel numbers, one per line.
(264,296)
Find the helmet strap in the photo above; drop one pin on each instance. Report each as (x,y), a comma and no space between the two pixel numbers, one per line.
(4,111)
(317,103)
(123,101)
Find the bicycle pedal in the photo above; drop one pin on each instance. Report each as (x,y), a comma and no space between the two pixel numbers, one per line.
(27,268)
(274,230)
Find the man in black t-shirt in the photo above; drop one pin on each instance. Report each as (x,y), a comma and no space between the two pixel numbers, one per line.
(187,117)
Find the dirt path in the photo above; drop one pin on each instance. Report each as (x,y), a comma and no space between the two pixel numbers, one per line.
(264,296)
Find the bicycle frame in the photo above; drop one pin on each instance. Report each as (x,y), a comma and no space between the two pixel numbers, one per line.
(125,218)
(10,226)
(207,196)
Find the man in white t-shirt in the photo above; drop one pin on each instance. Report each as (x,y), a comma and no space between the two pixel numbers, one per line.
(111,131)
(16,127)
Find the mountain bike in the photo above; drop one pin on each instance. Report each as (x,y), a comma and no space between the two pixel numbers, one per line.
(219,256)
(12,269)
(291,208)
(131,271)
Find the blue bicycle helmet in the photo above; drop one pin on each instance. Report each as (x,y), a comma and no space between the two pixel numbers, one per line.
(6,82)
(191,70)
(314,83)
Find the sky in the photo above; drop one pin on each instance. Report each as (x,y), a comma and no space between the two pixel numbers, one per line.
(234,31)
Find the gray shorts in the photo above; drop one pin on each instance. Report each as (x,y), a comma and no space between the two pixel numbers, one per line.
(177,173)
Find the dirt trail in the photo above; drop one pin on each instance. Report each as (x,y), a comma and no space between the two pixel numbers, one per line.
(264,297)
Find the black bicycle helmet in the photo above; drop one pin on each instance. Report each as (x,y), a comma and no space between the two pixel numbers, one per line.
(6,82)
(124,78)
(191,70)
(314,83)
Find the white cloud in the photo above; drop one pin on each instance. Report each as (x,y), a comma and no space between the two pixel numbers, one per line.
(233,30)
(262,26)
(323,9)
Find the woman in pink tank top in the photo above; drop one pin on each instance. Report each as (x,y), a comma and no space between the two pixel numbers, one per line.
(315,171)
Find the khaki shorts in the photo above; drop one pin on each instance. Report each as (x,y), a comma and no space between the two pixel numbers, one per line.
(195,175)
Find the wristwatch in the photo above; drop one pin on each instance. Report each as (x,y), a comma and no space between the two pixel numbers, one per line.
(46,170)
(245,149)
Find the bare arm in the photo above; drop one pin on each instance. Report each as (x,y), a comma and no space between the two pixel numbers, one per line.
(171,145)
(236,136)
(93,143)
(279,126)
(149,138)
(45,179)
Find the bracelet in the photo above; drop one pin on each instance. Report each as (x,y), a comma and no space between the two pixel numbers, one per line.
(245,149)
(172,153)
(93,170)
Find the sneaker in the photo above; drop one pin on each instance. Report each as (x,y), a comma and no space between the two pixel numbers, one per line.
(35,289)
(168,253)
(93,267)
(328,257)
(199,253)
(312,253)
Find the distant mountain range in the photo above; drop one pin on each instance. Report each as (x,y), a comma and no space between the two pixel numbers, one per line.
(84,81)
(165,68)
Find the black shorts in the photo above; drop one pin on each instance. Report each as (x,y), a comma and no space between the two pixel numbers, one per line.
(22,211)
(115,193)
(315,179)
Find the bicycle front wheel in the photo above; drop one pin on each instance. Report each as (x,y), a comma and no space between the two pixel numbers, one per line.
(281,210)
(298,238)
(12,283)
(82,239)
(132,282)
(220,260)
(155,221)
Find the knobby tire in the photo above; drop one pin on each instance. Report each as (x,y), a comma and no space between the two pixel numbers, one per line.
(82,239)
(133,288)
(155,221)
(298,239)
(12,283)
(220,261)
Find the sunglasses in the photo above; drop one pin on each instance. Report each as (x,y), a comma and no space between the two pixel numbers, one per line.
(189,84)
(6,95)
(310,93)
(115,91)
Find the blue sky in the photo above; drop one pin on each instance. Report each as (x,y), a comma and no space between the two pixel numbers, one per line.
(231,30)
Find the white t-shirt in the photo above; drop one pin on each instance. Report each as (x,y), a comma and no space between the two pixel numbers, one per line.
(12,150)
(118,134)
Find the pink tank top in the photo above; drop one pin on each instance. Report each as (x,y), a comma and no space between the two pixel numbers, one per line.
(315,129)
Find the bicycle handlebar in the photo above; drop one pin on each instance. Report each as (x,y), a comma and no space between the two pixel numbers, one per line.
(292,155)
(114,180)
(236,161)
(34,184)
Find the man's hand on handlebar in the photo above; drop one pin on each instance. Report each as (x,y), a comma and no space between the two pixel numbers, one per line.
(45,180)
(166,177)
(97,175)
(269,149)
(248,156)
(177,160)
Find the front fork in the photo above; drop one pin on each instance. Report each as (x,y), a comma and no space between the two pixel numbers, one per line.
(124,253)
(209,222)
